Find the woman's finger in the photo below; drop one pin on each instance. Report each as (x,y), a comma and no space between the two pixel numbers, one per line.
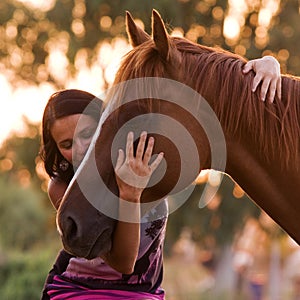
(141,146)
(120,159)
(264,88)
(257,79)
(272,91)
(148,151)
(248,67)
(278,88)
(157,161)
(129,145)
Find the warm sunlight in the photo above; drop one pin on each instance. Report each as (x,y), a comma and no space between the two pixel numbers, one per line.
(237,11)
(28,101)
(231,28)
(42,5)
(234,19)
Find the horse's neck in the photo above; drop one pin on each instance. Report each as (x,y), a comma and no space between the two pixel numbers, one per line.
(274,189)
(253,171)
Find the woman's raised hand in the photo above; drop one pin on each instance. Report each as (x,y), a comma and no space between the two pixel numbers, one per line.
(133,172)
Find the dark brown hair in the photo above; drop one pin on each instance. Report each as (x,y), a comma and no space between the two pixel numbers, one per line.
(61,104)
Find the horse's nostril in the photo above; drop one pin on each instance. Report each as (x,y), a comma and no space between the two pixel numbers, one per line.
(71,229)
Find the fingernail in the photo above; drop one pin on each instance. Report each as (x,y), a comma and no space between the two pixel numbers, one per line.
(130,134)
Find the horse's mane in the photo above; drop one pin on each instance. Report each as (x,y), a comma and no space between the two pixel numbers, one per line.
(216,75)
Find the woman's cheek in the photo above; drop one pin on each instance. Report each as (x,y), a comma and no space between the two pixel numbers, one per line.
(67,154)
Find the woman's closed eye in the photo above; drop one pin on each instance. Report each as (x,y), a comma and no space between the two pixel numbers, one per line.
(66,144)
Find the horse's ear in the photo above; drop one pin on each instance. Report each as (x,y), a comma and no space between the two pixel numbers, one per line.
(135,33)
(160,35)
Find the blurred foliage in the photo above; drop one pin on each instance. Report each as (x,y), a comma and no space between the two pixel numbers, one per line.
(23,275)
(22,216)
(19,158)
(25,213)
(28,36)
(285,37)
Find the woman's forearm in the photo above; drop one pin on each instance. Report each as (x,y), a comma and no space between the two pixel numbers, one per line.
(126,238)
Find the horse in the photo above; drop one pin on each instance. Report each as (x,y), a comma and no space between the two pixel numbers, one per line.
(261,139)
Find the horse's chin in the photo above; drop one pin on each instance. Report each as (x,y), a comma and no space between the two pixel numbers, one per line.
(101,246)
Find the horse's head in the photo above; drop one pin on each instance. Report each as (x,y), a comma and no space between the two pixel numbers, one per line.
(147,95)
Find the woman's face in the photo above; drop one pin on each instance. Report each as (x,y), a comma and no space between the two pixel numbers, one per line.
(72,137)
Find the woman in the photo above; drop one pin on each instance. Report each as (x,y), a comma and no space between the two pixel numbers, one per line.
(129,265)
(63,149)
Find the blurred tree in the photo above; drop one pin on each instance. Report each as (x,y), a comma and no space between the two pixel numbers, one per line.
(270,28)
(25,212)
(33,41)
(23,275)
(19,158)
(22,217)
(285,37)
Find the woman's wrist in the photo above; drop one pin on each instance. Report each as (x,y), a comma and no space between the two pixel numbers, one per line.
(130,197)
(129,211)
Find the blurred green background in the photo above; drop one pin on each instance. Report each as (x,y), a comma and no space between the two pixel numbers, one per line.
(56,44)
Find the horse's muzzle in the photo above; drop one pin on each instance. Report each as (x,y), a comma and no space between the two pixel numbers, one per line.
(85,232)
